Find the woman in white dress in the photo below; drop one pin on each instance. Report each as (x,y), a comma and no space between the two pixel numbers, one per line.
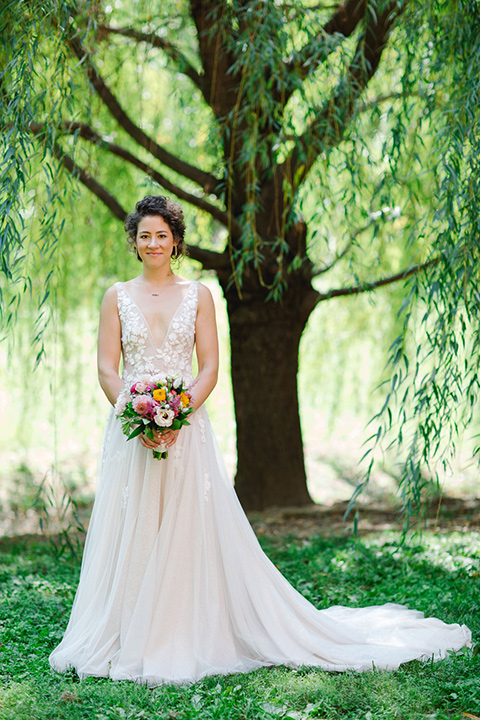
(174,585)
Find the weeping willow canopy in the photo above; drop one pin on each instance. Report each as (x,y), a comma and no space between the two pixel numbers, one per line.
(358,123)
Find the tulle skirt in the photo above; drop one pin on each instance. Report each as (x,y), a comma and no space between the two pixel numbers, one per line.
(174,585)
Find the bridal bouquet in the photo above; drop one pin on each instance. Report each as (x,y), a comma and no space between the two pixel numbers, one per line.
(154,402)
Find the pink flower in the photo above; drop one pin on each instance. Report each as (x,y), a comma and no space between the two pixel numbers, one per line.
(174,402)
(143,405)
(140,387)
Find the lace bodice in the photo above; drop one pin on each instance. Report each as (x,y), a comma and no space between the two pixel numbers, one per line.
(141,355)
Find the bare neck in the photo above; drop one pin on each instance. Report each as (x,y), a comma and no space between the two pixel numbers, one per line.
(157,276)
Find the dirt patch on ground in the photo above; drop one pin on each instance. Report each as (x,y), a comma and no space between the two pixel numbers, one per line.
(447,513)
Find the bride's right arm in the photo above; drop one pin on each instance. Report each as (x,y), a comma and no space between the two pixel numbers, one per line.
(206,342)
(109,347)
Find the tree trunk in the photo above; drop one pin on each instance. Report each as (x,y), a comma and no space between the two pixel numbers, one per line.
(265,339)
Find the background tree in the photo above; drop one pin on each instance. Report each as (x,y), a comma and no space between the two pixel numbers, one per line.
(320,117)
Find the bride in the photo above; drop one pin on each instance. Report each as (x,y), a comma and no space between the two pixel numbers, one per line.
(174,585)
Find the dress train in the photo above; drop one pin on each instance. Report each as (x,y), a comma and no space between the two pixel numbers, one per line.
(174,585)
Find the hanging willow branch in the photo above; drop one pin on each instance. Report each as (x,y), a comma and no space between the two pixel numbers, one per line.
(373,285)
(207,181)
(331,121)
(340,26)
(161,43)
(85,131)
(369,105)
(434,389)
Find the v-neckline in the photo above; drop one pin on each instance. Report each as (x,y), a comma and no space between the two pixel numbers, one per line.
(158,347)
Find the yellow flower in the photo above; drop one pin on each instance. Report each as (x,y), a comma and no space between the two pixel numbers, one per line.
(160,394)
(185,399)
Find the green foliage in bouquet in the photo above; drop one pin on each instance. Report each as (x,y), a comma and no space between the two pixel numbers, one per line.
(154,404)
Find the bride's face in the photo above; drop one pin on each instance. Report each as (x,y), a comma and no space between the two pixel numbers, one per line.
(154,240)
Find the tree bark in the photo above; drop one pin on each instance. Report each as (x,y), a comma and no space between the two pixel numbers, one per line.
(265,339)
(267,244)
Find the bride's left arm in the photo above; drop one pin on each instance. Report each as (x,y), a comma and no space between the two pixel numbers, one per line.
(206,341)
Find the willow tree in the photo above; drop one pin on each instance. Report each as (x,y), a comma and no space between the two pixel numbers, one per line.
(288,87)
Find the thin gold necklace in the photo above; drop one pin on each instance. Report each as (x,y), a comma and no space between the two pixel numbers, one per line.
(156,294)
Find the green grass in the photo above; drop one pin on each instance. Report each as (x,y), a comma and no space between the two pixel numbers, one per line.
(439,575)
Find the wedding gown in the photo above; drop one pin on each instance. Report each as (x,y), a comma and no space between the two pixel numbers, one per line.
(174,585)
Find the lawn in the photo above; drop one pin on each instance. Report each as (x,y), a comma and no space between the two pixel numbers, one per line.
(439,574)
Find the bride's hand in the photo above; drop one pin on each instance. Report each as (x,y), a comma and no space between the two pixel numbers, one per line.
(167,438)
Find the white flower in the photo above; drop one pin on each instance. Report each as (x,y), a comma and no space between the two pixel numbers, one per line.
(177,382)
(164,417)
(121,403)
(159,378)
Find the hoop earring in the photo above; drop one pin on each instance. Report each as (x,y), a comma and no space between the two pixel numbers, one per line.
(175,251)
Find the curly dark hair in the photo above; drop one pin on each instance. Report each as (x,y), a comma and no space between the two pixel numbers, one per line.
(162,207)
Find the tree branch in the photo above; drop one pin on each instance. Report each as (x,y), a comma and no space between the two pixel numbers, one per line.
(338,256)
(342,253)
(156,41)
(88,133)
(210,259)
(367,287)
(207,181)
(328,127)
(341,25)
(374,102)
(384,98)
(221,83)
(86,179)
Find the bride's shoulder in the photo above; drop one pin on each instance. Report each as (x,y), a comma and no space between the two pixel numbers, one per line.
(111,292)
(204,293)
(114,289)
(109,307)
(205,299)
(111,296)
